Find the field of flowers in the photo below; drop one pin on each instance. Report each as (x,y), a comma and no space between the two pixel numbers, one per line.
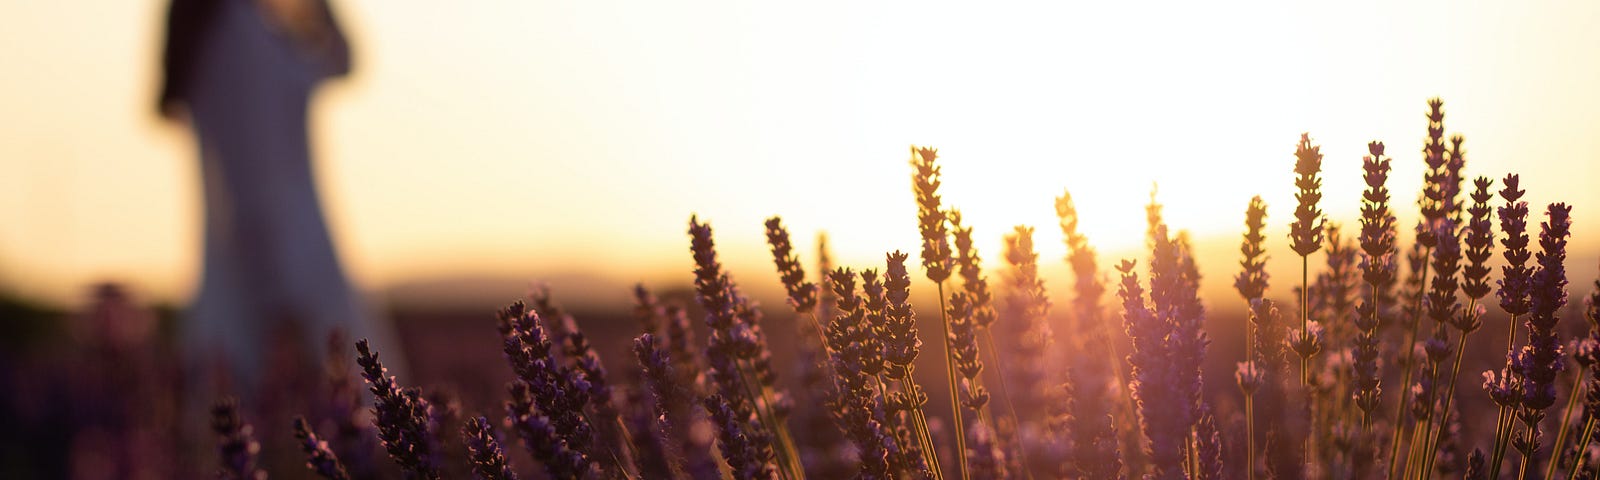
(1444,349)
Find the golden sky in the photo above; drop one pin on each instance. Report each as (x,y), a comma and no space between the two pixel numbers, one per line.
(533,138)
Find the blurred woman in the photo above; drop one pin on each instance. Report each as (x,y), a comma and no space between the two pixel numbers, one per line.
(241,74)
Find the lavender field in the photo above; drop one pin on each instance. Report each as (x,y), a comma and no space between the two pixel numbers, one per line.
(415,240)
(1461,346)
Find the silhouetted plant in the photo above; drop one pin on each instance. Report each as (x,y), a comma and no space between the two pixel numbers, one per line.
(680,409)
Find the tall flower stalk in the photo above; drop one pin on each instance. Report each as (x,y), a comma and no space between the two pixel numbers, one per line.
(857,359)
(902,345)
(1377,269)
(734,353)
(1163,370)
(1591,404)
(545,407)
(1029,305)
(1433,205)
(1094,405)
(610,434)
(1443,308)
(1443,305)
(970,309)
(1479,240)
(1305,238)
(1252,286)
(1516,279)
(937,264)
(802,295)
(1539,362)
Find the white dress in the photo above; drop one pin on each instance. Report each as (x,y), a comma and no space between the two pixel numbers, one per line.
(269,263)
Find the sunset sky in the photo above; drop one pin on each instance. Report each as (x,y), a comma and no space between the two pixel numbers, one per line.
(561,138)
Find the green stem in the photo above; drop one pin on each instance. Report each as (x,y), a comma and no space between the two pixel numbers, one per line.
(1498,449)
(627,445)
(1503,437)
(1250,432)
(1522,471)
(1424,431)
(1566,417)
(1305,317)
(1449,395)
(955,400)
(1583,446)
(1528,457)
(755,403)
(1511,431)
(1305,360)
(1418,450)
(920,419)
(1249,397)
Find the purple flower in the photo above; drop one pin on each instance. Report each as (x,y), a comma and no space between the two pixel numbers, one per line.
(540,434)
(736,344)
(1436,190)
(404,419)
(985,457)
(559,392)
(1442,305)
(1305,234)
(936,258)
(236,443)
(483,451)
(900,342)
(319,457)
(1248,377)
(1504,387)
(1029,304)
(1156,382)
(353,440)
(1479,240)
(973,281)
(737,434)
(1541,357)
(964,347)
(1539,362)
(1516,275)
(855,351)
(802,294)
(1252,280)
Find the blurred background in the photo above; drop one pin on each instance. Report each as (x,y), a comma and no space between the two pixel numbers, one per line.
(478,148)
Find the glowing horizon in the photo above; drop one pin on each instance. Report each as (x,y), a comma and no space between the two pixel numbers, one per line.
(515,139)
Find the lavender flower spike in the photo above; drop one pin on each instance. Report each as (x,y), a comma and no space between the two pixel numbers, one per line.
(747,459)
(319,457)
(802,294)
(236,443)
(483,450)
(404,418)
(1539,362)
